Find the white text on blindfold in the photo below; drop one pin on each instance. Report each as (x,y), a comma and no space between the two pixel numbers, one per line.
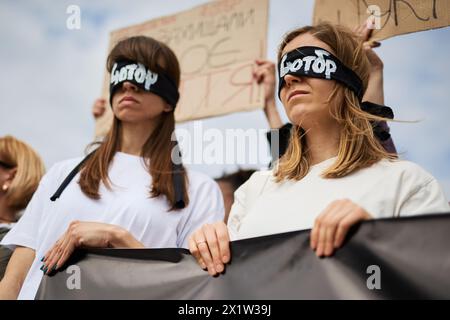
(317,63)
(138,72)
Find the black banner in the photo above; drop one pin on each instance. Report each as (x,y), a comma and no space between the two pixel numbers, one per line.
(399,258)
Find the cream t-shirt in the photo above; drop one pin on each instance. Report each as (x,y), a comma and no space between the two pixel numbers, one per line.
(386,189)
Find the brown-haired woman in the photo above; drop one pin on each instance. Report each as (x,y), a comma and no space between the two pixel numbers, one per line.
(335,173)
(132,191)
(21,169)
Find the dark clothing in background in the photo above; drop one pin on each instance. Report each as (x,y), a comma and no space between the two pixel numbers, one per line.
(5,253)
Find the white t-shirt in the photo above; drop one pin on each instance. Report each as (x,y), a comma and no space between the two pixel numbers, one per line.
(386,189)
(128,205)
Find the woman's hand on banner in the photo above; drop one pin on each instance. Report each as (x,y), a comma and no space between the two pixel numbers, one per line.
(332,225)
(86,234)
(210,245)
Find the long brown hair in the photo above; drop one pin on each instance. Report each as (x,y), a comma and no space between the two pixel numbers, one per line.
(158,148)
(358,147)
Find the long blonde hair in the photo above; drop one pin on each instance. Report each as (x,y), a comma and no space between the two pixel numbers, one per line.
(358,146)
(30,170)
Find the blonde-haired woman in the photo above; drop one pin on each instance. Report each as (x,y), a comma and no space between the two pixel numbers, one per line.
(335,173)
(21,169)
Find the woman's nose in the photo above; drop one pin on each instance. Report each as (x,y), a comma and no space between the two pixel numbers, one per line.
(290,79)
(129,86)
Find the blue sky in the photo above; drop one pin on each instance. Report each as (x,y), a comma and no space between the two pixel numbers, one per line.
(51,75)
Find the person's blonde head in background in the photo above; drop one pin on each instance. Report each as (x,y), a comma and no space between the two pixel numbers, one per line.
(21,169)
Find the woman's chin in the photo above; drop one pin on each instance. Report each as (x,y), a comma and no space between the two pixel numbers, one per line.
(128,117)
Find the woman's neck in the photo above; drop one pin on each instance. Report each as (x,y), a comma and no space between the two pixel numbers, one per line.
(134,136)
(323,143)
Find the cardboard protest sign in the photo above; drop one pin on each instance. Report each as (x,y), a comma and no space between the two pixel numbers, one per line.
(392,17)
(216,45)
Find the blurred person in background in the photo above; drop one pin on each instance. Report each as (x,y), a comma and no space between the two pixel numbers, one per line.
(21,169)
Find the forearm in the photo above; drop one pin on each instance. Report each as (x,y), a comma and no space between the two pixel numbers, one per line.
(9,290)
(121,238)
(272,115)
(375,91)
(18,267)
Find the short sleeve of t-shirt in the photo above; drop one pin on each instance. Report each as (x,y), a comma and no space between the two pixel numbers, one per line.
(426,198)
(243,199)
(238,210)
(208,207)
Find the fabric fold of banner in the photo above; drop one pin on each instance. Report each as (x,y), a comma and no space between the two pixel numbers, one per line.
(400,258)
